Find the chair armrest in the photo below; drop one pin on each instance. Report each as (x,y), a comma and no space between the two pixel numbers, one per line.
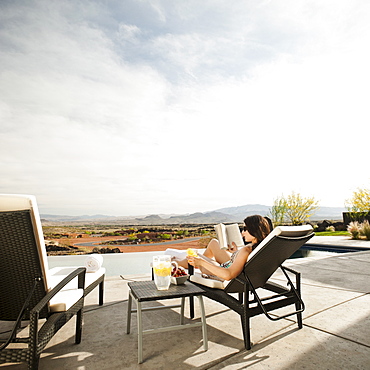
(34,313)
(80,272)
(291,270)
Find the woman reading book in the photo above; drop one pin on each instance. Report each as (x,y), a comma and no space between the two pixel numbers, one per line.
(228,264)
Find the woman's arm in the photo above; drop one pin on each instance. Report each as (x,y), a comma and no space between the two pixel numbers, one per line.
(224,273)
(184,263)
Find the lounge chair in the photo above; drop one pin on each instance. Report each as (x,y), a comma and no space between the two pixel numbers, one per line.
(262,263)
(25,293)
(28,291)
(12,202)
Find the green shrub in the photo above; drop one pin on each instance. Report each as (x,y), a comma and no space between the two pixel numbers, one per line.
(165,236)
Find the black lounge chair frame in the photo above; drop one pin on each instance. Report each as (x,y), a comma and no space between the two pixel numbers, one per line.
(255,276)
(23,294)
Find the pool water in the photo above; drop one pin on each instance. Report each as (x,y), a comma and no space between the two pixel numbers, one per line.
(115,263)
(139,263)
(303,253)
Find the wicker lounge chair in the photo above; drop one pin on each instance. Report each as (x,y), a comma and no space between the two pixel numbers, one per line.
(28,290)
(262,263)
(12,202)
(24,292)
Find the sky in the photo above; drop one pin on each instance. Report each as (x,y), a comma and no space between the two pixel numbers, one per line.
(135,107)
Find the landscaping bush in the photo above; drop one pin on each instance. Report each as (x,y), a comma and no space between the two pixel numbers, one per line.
(365,229)
(165,236)
(354,229)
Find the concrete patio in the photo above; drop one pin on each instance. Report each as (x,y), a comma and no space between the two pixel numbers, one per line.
(336,332)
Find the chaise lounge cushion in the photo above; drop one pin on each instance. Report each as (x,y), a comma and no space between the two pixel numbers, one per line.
(57,274)
(65,299)
(211,283)
(289,231)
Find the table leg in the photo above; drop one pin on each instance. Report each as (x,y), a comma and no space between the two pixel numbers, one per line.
(139,333)
(204,324)
(129,305)
(191,302)
(182,311)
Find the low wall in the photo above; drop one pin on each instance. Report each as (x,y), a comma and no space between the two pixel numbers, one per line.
(355,216)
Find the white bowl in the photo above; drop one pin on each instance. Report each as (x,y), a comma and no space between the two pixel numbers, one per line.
(179,280)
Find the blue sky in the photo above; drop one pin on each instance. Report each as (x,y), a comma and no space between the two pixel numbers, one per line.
(139,107)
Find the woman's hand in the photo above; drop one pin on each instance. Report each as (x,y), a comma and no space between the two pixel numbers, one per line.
(194,261)
(232,248)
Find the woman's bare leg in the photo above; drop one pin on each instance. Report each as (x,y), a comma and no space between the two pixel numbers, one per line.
(214,251)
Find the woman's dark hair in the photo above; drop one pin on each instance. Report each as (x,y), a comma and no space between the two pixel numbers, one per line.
(257,226)
(270,223)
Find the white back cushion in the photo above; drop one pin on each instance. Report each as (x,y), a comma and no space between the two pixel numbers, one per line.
(294,231)
(19,202)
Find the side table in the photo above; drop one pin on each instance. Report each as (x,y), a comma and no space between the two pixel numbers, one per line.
(143,291)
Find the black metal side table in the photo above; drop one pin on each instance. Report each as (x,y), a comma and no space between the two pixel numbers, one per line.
(143,291)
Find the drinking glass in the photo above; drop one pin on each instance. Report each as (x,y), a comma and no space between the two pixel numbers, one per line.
(162,271)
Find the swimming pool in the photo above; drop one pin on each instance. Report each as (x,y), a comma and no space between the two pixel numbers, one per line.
(138,263)
(303,253)
(115,263)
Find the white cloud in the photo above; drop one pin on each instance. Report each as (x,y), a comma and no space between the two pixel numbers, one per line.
(148,107)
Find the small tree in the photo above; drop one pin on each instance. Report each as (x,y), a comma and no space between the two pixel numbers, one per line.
(278,211)
(300,209)
(294,209)
(360,201)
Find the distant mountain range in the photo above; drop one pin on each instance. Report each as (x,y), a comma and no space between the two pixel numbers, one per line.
(229,214)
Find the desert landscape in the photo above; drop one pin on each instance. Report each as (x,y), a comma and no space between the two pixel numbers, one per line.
(69,240)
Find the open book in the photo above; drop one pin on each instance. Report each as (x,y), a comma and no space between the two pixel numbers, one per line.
(227,234)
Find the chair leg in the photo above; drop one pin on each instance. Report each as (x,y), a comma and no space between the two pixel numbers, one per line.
(246,331)
(33,364)
(101,293)
(78,326)
(299,315)
(298,305)
(245,319)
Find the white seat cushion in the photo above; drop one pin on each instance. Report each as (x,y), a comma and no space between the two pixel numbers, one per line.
(211,283)
(57,274)
(65,299)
